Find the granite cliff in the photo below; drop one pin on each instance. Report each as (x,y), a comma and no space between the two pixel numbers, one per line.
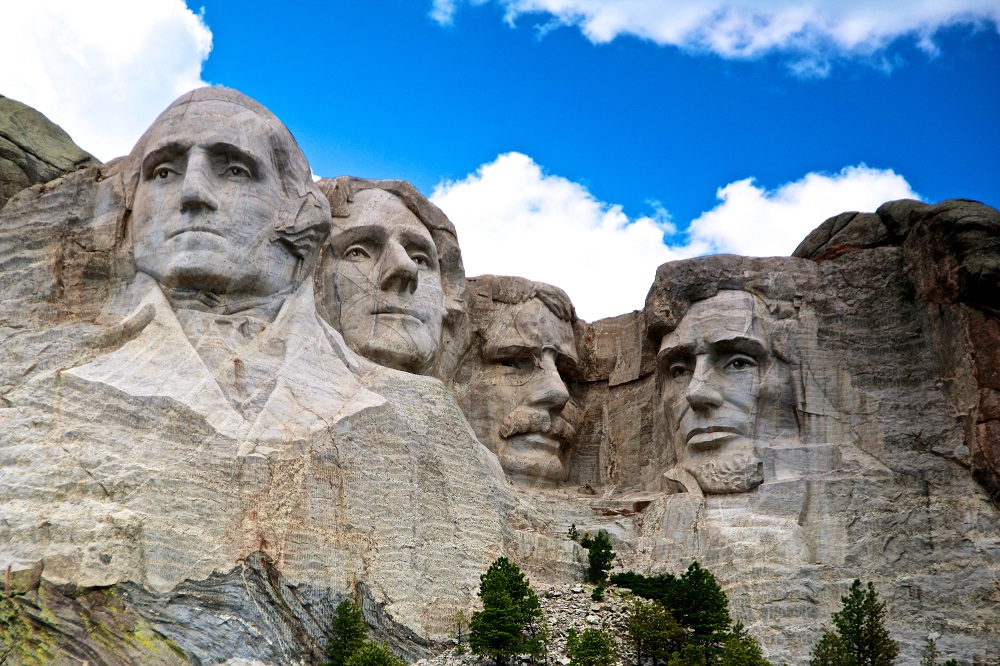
(231,396)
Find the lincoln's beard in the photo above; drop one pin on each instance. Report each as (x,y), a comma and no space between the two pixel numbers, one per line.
(731,473)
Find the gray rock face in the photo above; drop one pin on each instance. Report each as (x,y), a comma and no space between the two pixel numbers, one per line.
(33,149)
(201,453)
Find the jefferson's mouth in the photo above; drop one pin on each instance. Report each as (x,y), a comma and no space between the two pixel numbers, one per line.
(395,310)
(711,436)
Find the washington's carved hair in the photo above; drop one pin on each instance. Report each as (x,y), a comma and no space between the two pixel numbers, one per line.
(304,219)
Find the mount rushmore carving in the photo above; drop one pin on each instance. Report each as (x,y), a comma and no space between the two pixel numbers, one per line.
(228,391)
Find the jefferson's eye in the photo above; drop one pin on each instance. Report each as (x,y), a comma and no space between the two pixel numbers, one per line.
(356,253)
(741,363)
(238,171)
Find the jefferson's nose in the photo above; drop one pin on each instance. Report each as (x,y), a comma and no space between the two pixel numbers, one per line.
(196,192)
(399,272)
(548,390)
(701,392)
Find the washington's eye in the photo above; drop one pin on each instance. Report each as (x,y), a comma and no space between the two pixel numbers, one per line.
(161,173)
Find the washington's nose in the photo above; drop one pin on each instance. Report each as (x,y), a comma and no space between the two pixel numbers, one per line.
(196,192)
(548,390)
(701,392)
(399,272)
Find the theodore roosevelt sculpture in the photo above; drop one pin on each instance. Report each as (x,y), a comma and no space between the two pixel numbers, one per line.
(225,227)
(511,384)
(723,383)
(392,276)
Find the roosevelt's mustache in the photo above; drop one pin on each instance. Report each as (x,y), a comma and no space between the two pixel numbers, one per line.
(526,420)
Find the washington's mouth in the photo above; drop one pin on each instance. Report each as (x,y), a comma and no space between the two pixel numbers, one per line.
(711,436)
(206,230)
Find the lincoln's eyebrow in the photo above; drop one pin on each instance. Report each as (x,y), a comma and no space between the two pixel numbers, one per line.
(741,345)
(160,154)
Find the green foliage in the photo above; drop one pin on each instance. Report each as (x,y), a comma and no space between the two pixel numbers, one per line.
(861,638)
(598,593)
(600,556)
(347,634)
(574,534)
(510,622)
(703,608)
(460,624)
(931,654)
(653,632)
(370,653)
(594,647)
(741,649)
(655,588)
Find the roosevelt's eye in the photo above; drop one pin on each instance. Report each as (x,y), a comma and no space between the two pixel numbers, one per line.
(518,364)
(678,370)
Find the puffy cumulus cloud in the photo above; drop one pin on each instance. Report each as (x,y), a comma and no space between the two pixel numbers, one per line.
(813,29)
(756,222)
(101,70)
(514,219)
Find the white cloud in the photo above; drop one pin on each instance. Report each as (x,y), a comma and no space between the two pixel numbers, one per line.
(101,70)
(514,219)
(813,30)
(756,222)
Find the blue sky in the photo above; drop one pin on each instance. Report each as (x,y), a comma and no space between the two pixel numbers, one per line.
(580,142)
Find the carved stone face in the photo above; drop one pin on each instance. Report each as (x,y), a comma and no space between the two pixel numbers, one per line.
(387,283)
(712,368)
(207,203)
(517,399)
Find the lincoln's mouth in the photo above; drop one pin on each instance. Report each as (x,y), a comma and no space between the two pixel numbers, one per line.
(711,436)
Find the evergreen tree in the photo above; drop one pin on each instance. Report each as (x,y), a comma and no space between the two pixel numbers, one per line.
(741,649)
(930,653)
(370,653)
(594,647)
(347,633)
(703,608)
(600,556)
(861,638)
(653,632)
(510,622)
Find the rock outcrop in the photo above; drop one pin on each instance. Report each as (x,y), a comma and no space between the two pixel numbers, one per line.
(230,397)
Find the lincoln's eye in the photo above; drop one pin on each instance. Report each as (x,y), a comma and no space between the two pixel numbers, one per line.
(739,363)
(677,370)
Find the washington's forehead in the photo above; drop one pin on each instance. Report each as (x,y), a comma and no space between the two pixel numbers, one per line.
(211,122)
(726,316)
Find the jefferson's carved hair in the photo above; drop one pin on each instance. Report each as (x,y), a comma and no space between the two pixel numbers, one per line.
(304,220)
(341,192)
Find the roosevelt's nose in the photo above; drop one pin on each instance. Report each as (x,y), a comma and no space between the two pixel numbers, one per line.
(548,390)
(196,191)
(701,392)
(399,272)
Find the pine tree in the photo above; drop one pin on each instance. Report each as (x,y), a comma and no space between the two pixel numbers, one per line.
(703,608)
(347,633)
(653,632)
(370,653)
(861,638)
(600,556)
(509,623)
(741,649)
(594,647)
